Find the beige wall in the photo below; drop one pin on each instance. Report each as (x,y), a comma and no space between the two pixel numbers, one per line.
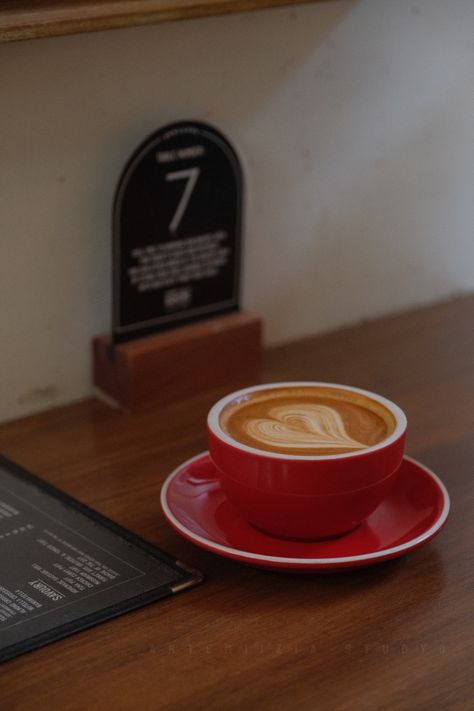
(355,123)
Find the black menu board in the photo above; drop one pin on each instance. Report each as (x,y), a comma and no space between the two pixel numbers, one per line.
(64,567)
(176,231)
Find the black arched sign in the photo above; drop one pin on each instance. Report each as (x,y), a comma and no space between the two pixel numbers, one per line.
(176,231)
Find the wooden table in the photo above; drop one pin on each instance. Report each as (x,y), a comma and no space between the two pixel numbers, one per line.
(394,636)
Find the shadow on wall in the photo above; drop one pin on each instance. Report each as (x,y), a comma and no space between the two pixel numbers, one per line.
(372,194)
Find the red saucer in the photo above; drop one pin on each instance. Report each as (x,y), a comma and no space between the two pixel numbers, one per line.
(413,513)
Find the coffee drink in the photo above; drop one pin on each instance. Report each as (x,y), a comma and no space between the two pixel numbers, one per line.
(273,448)
(304,420)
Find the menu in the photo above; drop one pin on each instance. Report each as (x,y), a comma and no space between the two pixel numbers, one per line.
(64,567)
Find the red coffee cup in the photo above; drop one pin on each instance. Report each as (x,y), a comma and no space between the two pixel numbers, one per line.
(305,496)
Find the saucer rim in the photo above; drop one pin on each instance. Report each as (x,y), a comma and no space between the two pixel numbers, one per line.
(303,562)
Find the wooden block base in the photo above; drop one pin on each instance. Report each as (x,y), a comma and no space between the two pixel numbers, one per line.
(177,364)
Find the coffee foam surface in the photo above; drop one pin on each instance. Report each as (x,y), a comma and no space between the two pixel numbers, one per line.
(303,420)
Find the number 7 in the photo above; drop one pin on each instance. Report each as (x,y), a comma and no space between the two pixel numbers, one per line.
(191,175)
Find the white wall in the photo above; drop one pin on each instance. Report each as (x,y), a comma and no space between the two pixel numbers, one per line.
(355,121)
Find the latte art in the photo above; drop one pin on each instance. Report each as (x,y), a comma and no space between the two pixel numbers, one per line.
(307,420)
(302,427)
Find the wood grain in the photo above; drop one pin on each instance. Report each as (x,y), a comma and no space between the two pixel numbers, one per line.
(23,19)
(182,362)
(395,636)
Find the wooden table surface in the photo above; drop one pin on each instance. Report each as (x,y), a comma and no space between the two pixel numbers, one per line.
(393,636)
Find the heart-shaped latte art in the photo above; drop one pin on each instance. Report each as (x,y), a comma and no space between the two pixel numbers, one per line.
(302,426)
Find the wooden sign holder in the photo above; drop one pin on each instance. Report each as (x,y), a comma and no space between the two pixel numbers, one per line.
(161,368)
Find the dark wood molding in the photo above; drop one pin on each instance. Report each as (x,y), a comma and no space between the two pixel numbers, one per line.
(21,20)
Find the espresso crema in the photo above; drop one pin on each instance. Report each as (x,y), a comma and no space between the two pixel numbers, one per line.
(307,420)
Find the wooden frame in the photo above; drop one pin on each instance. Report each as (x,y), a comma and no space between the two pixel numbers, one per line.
(20,19)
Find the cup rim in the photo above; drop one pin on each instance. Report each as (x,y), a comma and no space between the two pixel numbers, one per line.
(215,428)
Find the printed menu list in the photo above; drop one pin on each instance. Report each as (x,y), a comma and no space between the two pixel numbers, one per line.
(64,567)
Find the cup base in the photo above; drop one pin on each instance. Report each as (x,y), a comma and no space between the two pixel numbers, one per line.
(305,518)
(305,538)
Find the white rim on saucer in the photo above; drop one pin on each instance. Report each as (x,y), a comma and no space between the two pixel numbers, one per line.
(233,552)
(214,413)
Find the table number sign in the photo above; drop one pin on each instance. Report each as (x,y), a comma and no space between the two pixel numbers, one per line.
(177,327)
(176,231)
